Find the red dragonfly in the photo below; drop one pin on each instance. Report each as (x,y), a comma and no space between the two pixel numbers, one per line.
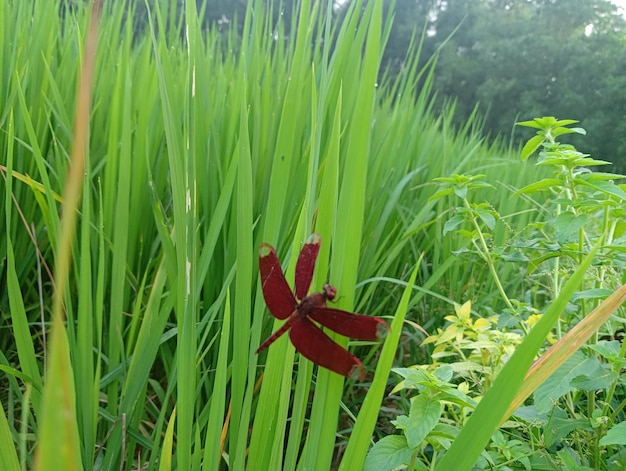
(305,335)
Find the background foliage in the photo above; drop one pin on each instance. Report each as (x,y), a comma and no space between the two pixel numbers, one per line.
(521,59)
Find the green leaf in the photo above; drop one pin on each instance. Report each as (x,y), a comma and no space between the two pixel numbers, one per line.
(165,463)
(480,184)
(605,187)
(615,436)
(541,185)
(602,176)
(531,146)
(424,415)
(566,122)
(390,452)
(596,293)
(452,223)
(487,218)
(461,191)
(597,376)
(558,384)
(569,461)
(8,457)
(514,257)
(444,373)
(560,425)
(560,131)
(529,124)
(608,349)
(566,226)
(441,194)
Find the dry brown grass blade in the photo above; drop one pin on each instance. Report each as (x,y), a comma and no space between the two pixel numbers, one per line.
(547,363)
(59,437)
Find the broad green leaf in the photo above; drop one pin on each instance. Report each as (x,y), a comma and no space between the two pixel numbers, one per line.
(567,225)
(461,191)
(560,425)
(530,124)
(424,415)
(388,453)
(565,122)
(441,194)
(558,384)
(487,218)
(608,349)
(606,187)
(452,223)
(596,293)
(615,436)
(597,376)
(569,461)
(560,131)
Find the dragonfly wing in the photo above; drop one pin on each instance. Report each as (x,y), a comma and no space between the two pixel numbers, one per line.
(355,326)
(277,293)
(315,345)
(306,265)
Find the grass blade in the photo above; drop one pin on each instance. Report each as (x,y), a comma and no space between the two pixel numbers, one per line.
(354,456)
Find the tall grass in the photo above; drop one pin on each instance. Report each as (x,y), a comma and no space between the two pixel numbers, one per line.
(198,152)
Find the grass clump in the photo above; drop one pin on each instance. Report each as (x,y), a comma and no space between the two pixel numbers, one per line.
(194,157)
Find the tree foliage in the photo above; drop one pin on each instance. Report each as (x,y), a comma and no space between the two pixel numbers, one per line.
(521,58)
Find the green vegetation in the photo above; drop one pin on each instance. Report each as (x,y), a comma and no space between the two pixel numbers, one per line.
(128,340)
(511,59)
(518,59)
(573,419)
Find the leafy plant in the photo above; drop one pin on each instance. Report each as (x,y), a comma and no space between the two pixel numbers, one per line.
(579,406)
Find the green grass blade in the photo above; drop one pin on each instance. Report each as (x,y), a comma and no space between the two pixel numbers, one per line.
(121,155)
(354,456)
(244,265)
(213,447)
(60,440)
(19,320)
(8,457)
(181,164)
(165,463)
(347,236)
(59,437)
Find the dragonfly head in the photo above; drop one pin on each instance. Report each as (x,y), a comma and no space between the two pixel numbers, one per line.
(329,292)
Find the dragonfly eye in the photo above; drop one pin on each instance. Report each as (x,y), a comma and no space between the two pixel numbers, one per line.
(329,292)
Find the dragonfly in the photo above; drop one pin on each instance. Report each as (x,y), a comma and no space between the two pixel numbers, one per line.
(302,312)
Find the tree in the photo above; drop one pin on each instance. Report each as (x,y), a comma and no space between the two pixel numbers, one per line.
(519,59)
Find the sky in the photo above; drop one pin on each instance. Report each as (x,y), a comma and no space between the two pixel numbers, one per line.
(621,4)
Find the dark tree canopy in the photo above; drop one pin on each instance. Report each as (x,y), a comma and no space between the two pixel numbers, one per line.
(520,59)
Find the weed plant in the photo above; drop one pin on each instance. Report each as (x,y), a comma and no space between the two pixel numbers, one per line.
(574,419)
